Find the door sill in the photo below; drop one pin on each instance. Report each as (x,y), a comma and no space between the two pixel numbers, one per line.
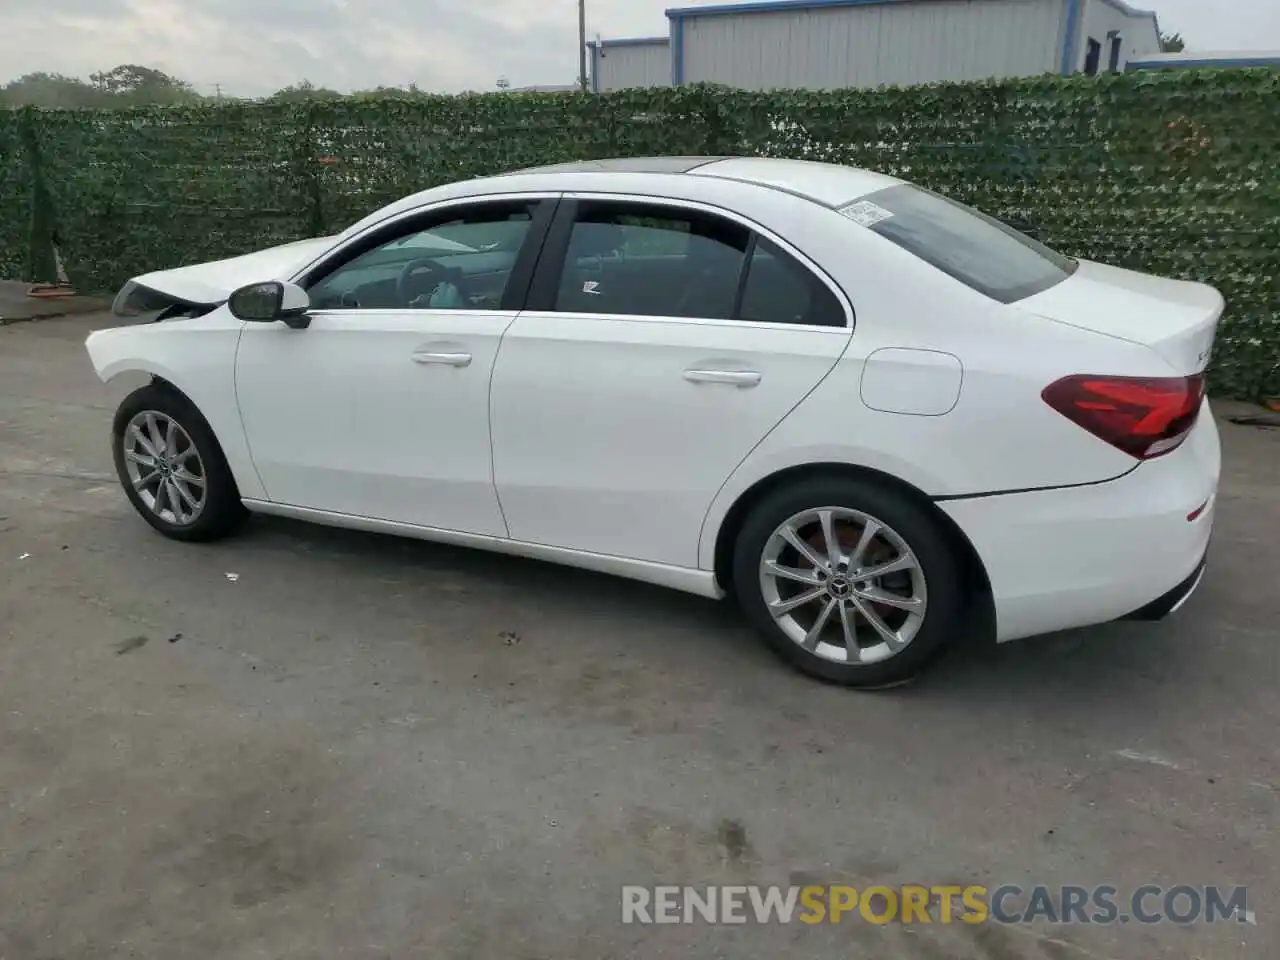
(700,582)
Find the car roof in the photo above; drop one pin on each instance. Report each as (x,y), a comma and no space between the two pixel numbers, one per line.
(828,184)
(623,165)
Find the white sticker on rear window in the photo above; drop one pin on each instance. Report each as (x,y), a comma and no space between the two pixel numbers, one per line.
(865,212)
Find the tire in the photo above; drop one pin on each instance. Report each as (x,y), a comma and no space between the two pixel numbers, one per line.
(910,537)
(196,461)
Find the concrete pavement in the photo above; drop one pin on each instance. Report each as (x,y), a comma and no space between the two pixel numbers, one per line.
(365,747)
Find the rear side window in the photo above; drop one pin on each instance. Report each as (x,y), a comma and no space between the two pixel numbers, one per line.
(652,261)
(664,261)
(778,289)
(978,250)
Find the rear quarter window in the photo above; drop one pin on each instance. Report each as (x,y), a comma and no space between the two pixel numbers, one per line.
(979,251)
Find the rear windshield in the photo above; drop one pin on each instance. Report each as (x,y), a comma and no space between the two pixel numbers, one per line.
(979,251)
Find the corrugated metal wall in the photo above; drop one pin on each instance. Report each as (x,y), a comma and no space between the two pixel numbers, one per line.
(865,46)
(631,63)
(1138,36)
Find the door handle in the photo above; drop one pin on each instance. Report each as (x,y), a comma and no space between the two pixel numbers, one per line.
(737,378)
(448,359)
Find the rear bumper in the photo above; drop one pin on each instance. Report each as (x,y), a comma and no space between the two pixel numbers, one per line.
(1163,606)
(1133,547)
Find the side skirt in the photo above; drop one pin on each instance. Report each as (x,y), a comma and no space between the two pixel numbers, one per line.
(700,582)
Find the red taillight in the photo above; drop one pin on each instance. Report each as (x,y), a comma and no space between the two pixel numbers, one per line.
(1143,416)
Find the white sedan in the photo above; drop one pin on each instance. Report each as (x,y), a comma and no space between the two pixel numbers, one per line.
(864,410)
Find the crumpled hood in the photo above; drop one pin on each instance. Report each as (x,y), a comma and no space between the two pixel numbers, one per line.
(209,284)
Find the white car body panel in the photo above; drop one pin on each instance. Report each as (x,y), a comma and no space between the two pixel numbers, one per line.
(911,381)
(828,184)
(700,582)
(364,414)
(600,443)
(577,438)
(199,358)
(1175,318)
(1061,559)
(980,446)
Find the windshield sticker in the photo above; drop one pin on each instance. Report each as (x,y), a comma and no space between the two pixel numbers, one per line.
(865,213)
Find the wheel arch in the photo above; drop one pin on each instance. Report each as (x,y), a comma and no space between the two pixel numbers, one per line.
(731,525)
(243,473)
(159,382)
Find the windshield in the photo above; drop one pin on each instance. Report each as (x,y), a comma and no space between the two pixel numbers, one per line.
(978,250)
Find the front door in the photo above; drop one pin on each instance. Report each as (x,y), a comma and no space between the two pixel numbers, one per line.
(662,344)
(380,408)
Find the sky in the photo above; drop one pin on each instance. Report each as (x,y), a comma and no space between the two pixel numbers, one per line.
(254,47)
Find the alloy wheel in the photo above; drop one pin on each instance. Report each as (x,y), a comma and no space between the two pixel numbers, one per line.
(165,468)
(843,585)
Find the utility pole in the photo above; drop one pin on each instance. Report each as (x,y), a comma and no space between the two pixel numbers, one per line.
(582,44)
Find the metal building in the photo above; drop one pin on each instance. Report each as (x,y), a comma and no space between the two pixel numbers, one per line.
(1110,34)
(828,44)
(1199,60)
(630,62)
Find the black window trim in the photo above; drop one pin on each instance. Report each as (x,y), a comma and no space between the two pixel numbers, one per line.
(515,295)
(744,276)
(555,249)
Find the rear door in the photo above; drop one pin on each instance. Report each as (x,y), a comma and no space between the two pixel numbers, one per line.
(663,342)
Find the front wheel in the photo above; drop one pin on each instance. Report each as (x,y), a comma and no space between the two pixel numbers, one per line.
(849,580)
(172,468)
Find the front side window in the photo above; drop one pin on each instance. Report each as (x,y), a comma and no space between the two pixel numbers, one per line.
(970,246)
(459,260)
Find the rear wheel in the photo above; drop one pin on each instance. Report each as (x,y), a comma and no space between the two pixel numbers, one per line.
(849,580)
(171,466)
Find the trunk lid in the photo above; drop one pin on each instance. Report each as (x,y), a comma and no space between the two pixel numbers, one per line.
(209,284)
(1175,318)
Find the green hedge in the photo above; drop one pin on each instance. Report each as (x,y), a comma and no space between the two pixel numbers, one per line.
(1177,173)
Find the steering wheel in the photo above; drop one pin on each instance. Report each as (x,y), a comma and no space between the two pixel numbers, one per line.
(439,274)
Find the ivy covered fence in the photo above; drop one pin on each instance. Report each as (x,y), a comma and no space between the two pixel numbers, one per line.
(1174,173)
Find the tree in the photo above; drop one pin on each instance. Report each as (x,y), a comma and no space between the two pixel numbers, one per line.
(130,84)
(51,90)
(305,90)
(1171,43)
(383,92)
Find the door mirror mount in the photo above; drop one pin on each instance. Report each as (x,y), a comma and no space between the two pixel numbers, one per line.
(270,301)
